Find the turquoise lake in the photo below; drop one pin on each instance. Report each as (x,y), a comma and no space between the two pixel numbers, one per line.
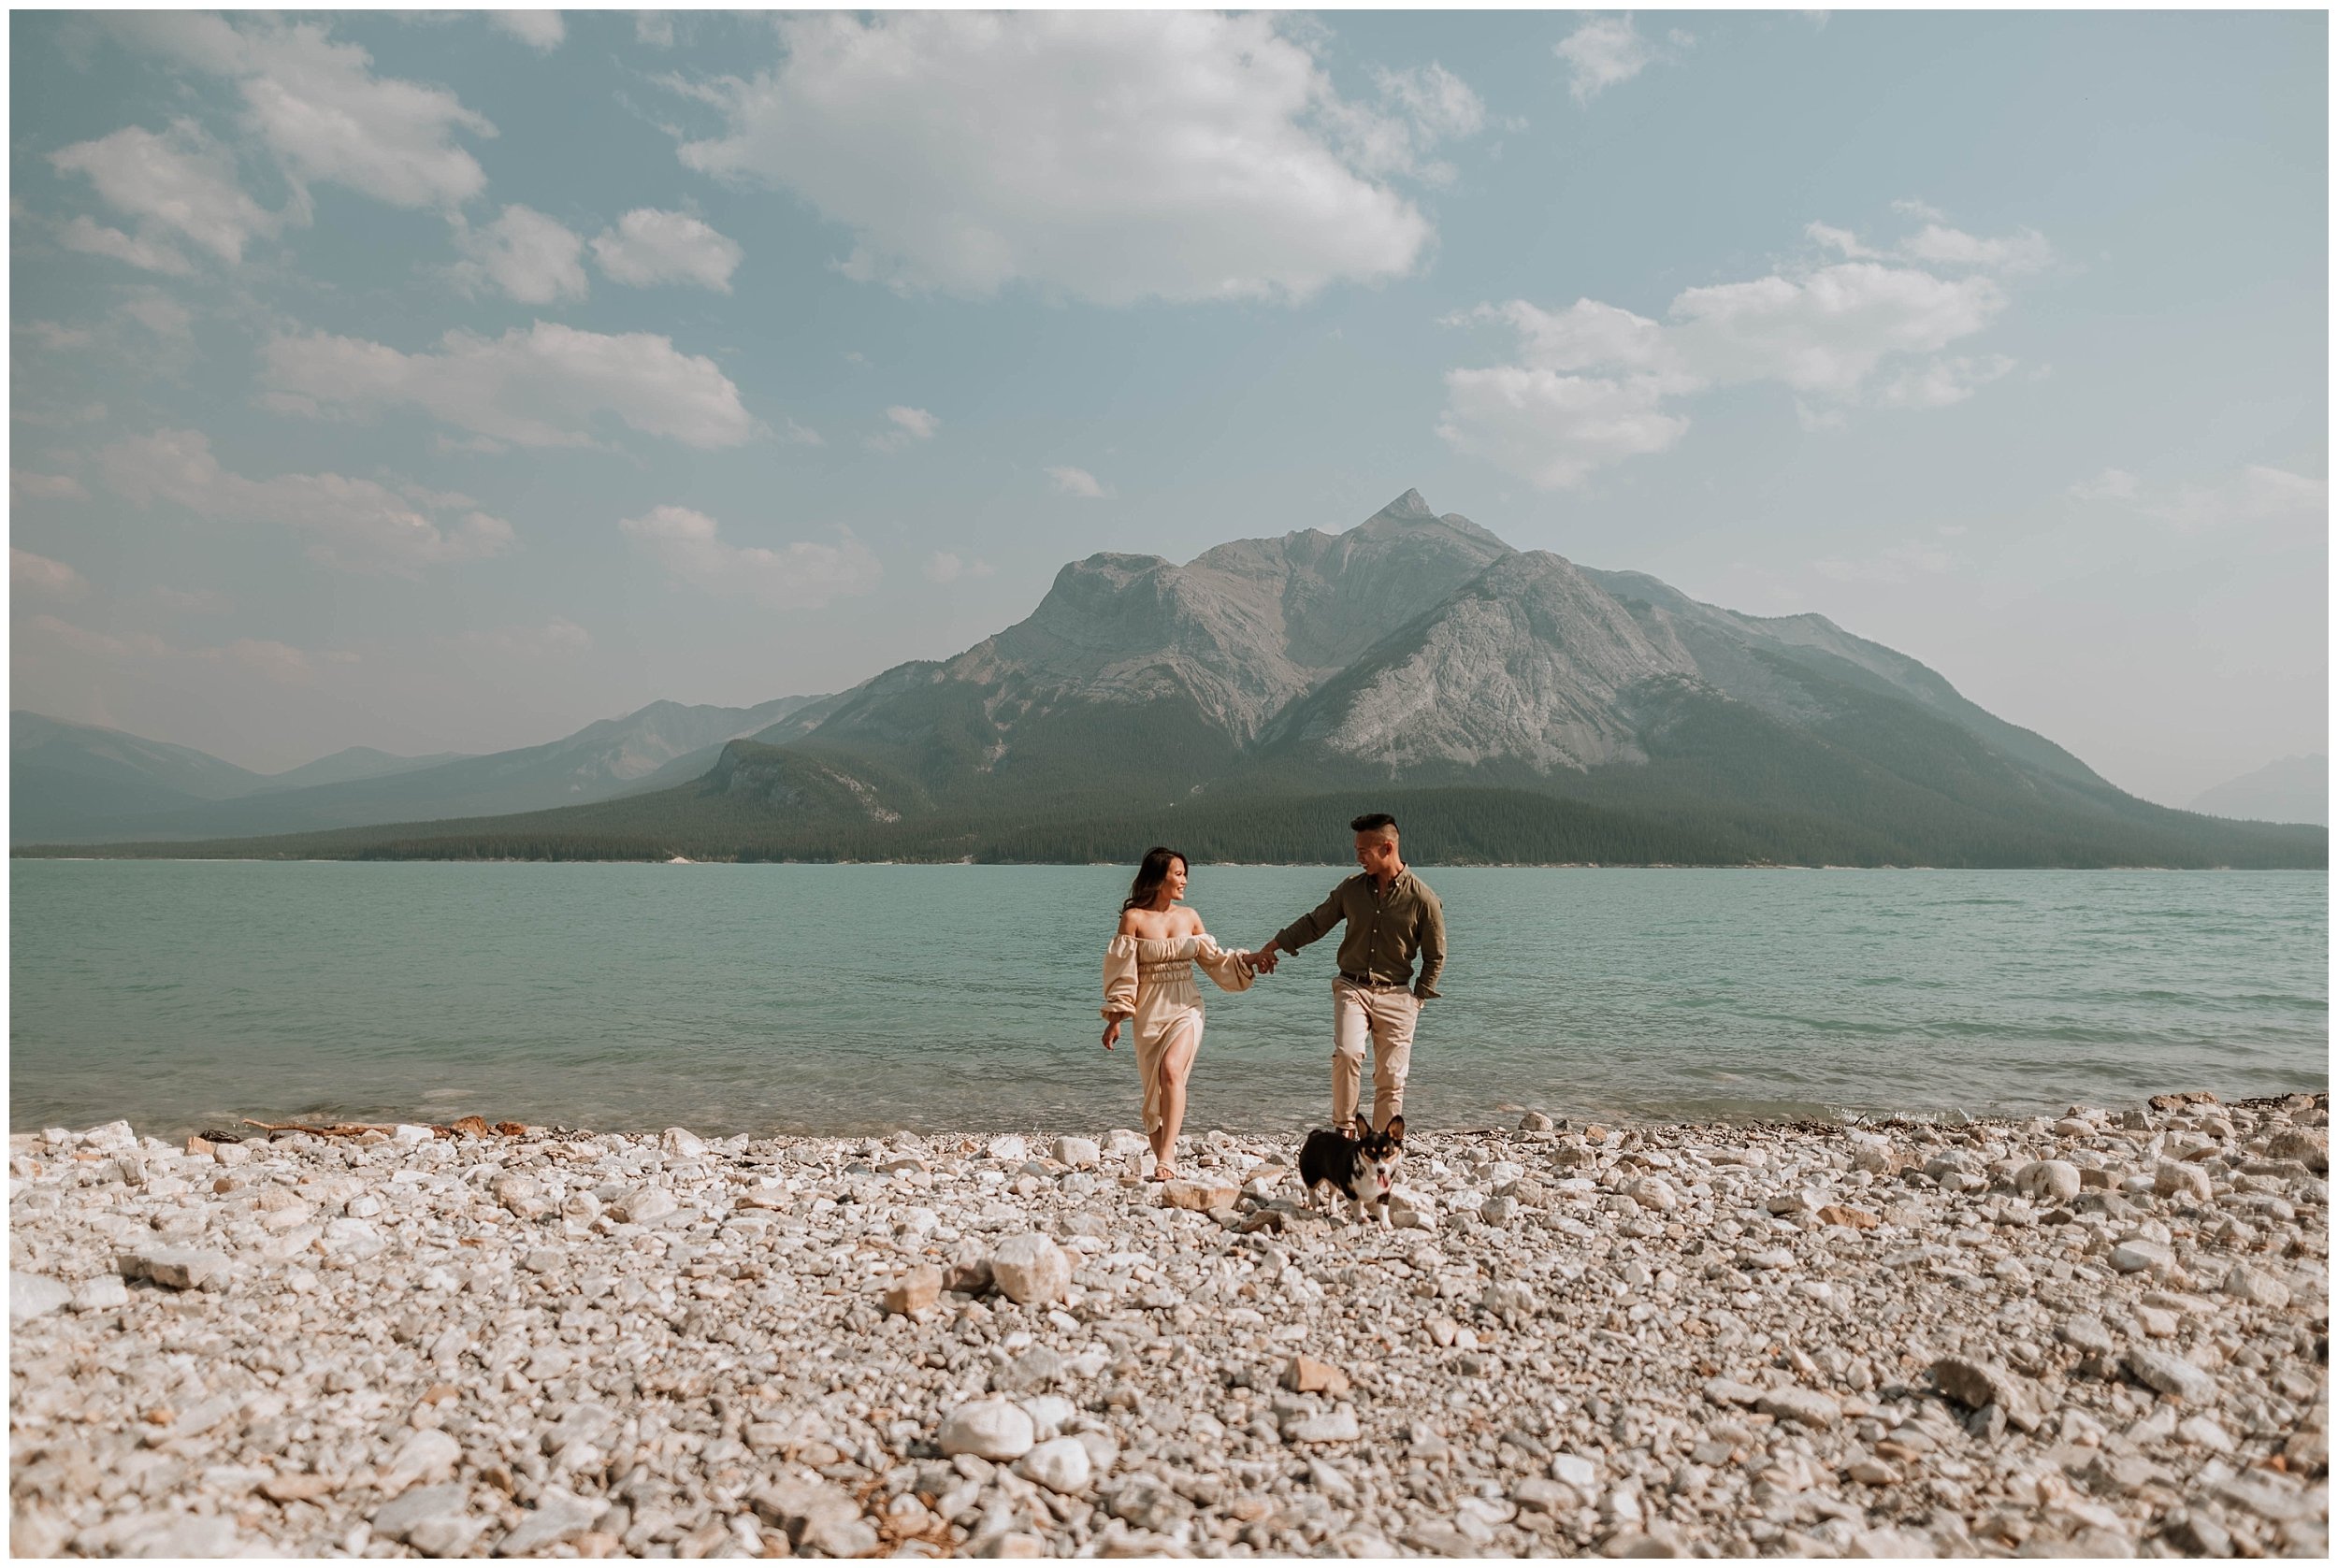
(851,999)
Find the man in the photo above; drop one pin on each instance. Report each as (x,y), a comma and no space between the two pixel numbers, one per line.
(1392,918)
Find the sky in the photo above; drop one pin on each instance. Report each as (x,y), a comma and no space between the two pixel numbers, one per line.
(447,383)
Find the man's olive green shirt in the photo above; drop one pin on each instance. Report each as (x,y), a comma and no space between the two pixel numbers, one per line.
(1386,931)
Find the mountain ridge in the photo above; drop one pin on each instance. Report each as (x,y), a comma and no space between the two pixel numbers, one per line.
(1413,652)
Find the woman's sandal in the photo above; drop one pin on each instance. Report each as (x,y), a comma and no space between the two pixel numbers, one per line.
(1163,1172)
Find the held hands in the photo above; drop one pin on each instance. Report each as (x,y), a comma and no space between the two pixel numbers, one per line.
(1265,959)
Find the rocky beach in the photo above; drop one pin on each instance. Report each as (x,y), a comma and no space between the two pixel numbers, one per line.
(2103,1333)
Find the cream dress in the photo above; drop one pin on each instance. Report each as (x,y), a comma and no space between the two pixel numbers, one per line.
(1149,982)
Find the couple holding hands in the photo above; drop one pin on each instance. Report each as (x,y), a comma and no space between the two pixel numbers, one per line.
(1393,920)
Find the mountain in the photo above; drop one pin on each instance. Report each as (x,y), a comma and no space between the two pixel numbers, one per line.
(1246,702)
(349,764)
(605,759)
(1135,673)
(63,775)
(2294,789)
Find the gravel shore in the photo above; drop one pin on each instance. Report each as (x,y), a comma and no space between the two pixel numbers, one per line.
(2102,1335)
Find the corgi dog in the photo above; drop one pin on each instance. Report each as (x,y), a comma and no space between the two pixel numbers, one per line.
(1362,1167)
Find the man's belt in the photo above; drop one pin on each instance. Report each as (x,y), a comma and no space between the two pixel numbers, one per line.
(1367,982)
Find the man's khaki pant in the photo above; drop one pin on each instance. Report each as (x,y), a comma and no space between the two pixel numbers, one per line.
(1386,1016)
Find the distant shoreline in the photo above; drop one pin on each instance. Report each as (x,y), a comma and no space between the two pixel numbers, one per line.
(37,852)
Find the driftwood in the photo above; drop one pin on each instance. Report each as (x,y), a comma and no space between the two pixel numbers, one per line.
(471,1127)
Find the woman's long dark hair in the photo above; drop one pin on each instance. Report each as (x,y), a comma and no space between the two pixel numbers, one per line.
(1150,874)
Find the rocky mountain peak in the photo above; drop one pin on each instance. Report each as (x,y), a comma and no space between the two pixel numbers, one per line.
(1410,507)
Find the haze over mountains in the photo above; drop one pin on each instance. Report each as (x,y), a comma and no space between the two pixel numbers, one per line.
(78,783)
(1534,707)
(2291,789)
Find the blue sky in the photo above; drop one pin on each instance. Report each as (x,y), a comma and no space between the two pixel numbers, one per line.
(445,383)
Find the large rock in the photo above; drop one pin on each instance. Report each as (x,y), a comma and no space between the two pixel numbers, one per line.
(177,1268)
(558,1516)
(2047,1181)
(988,1429)
(642,1204)
(2139,1254)
(32,1296)
(1307,1375)
(2085,1333)
(2172,1375)
(1061,1465)
(2308,1146)
(1031,1270)
(425,1456)
(818,1516)
(446,1507)
(1080,1153)
(1338,1427)
(1200,1197)
(2256,1287)
(2172,1178)
(1806,1406)
(521,1192)
(1980,1384)
(915,1292)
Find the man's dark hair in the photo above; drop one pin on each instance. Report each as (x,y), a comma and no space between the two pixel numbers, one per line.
(1372,822)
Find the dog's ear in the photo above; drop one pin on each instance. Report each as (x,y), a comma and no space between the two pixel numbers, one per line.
(1396,1129)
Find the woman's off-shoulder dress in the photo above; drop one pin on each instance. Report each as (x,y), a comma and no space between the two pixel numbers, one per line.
(1149,982)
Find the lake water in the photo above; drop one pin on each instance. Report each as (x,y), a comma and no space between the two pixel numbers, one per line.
(847,999)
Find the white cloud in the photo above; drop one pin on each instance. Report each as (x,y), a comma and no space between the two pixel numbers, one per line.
(556,638)
(2112,485)
(654,28)
(91,237)
(1603,52)
(191,601)
(945,566)
(52,417)
(160,314)
(317,106)
(530,257)
(26,485)
(1549,429)
(179,183)
(353,525)
(1944,381)
(909,424)
(1108,156)
(1078,482)
(650,247)
(801,435)
(542,31)
(2253,495)
(1436,100)
(799,576)
(544,387)
(278,664)
(1419,109)
(1593,384)
(1828,330)
(1908,206)
(2014,253)
(1838,239)
(40,575)
(56,336)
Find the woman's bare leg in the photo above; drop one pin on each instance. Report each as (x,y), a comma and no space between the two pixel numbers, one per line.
(1176,1064)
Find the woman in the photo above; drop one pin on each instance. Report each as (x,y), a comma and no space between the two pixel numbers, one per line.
(1149,979)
